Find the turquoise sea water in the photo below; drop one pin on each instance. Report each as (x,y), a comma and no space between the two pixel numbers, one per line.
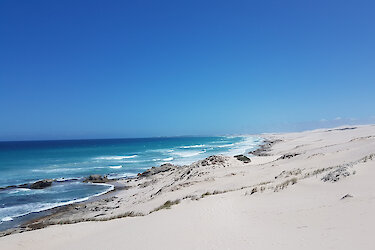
(26,162)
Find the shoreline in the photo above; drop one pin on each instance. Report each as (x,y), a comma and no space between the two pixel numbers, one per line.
(22,220)
(288,194)
(33,220)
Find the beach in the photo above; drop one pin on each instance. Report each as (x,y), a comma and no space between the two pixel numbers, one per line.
(38,176)
(305,190)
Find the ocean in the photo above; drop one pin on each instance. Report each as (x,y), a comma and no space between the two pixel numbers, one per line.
(69,161)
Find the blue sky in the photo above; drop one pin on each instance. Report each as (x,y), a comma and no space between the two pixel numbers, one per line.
(99,69)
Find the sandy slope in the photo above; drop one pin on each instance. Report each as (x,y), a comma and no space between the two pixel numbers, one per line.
(310,214)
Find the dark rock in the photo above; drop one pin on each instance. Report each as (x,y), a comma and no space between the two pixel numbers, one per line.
(254,190)
(41,184)
(96,178)
(211,160)
(243,158)
(337,174)
(346,196)
(341,129)
(264,148)
(8,187)
(156,170)
(288,156)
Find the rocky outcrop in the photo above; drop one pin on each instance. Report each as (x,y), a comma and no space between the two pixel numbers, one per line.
(336,175)
(341,129)
(96,178)
(36,185)
(156,170)
(41,184)
(288,156)
(243,158)
(264,148)
(211,160)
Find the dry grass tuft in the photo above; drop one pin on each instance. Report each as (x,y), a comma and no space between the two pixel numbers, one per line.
(167,205)
(285,184)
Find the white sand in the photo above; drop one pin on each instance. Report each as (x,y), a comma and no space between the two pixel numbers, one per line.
(307,215)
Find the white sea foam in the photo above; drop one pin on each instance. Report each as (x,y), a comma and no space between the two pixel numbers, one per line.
(194,146)
(241,147)
(123,175)
(168,159)
(115,157)
(18,190)
(7,219)
(100,167)
(116,167)
(225,145)
(161,150)
(189,153)
(63,179)
(57,170)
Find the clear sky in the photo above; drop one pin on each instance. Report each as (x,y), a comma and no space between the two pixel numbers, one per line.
(99,69)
